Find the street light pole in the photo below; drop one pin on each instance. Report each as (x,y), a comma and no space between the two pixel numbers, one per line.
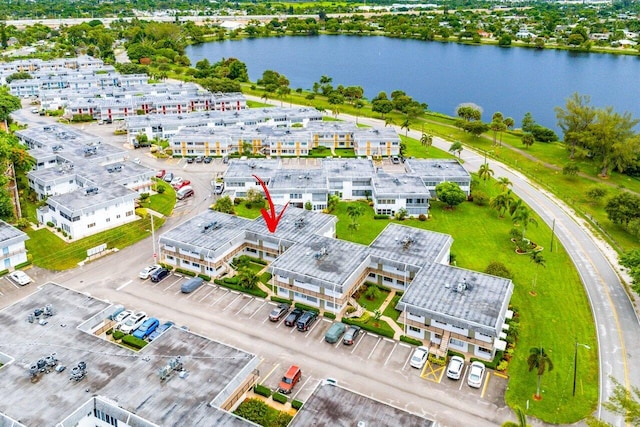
(575,363)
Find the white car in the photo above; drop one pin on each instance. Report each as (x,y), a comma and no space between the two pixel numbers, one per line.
(419,357)
(20,277)
(146,272)
(476,374)
(454,370)
(122,316)
(136,161)
(133,322)
(175,181)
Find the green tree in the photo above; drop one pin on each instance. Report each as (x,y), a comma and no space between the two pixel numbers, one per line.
(8,104)
(523,216)
(247,278)
(354,211)
(623,208)
(595,194)
(527,139)
(570,169)
(469,112)
(332,202)
(539,360)
(496,268)
(497,126)
(536,258)
(527,122)
(631,260)
(504,182)
(406,124)
(485,172)
(575,120)
(522,419)
(382,106)
(22,75)
(224,205)
(450,194)
(456,147)
(255,198)
(501,202)
(426,140)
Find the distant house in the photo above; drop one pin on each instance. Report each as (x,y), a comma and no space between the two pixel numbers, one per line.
(13,251)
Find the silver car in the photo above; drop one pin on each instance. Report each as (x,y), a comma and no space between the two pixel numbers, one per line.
(133,322)
(476,374)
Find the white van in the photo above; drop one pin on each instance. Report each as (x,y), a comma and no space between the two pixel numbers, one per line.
(184,192)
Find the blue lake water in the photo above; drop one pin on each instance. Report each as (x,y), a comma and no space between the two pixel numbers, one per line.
(443,75)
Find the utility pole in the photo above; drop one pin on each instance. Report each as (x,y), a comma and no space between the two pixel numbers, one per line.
(553,233)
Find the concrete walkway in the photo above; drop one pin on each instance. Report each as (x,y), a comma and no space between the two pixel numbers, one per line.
(397,330)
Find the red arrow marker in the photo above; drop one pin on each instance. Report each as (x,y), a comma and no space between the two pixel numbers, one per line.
(270,216)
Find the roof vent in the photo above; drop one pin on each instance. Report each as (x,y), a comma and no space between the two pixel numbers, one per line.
(90,191)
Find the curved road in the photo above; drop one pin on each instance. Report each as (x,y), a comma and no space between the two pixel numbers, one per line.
(617,323)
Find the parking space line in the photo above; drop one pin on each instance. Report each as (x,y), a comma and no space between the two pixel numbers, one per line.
(123,285)
(390,353)
(269,374)
(17,287)
(293,328)
(301,387)
(196,292)
(338,343)
(243,307)
(257,310)
(232,301)
(374,348)
(405,345)
(464,374)
(357,344)
(168,287)
(315,325)
(209,293)
(406,361)
(222,296)
(486,384)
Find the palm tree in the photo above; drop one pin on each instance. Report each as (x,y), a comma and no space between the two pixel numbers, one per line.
(539,360)
(537,258)
(504,182)
(247,278)
(405,125)
(485,172)
(354,211)
(515,205)
(501,202)
(521,416)
(524,216)
(388,121)
(426,140)
(456,147)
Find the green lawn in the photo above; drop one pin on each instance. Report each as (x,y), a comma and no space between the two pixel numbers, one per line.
(163,202)
(391,311)
(53,253)
(559,313)
(374,304)
(243,211)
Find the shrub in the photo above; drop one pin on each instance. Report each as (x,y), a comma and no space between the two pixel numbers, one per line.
(422,217)
(109,331)
(279,397)
(306,307)
(480,198)
(451,353)
(329,315)
(133,341)
(350,310)
(493,364)
(232,283)
(380,216)
(496,268)
(185,272)
(262,390)
(3,272)
(283,300)
(372,293)
(437,360)
(296,404)
(237,201)
(409,340)
(118,335)
(502,366)
(204,277)
(50,224)
(361,322)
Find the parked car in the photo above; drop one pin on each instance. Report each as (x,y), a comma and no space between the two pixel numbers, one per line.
(476,374)
(159,330)
(168,177)
(176,180)
(395,160)
(146,272)
(182,183)
(454,370)
(160,173)
(351,335)
(290,379)
(225,159)
(419,357)
(159,274)
(208,159)
(116,310)
(191,285)
(199,159)
(292,318)
(306,320)
(35,110)
(190,159)
(136,161)
(20,277)
(335,332)
(147,327)
(184,192)
(121,317)
(279,312)
(133,322)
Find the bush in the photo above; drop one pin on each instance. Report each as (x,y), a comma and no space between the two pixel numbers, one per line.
(204,277)
(118,335)
(367,327)
(380,216)
(185,272)
(283,300)
(50,224)
(109,331)
(409,340)
(496,268)
(296,404)
(451,353)
(232,283)
(502,366)
(493,364)
(3,272)
(437,360)
(480,198)
(372,293)
(279,397)
(22,265)
(237,201)
(422,217)
(262,390)
(133,341)
(329,315)
(307,307)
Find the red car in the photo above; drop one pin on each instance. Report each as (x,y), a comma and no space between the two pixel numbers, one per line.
(160,173)
(182,184)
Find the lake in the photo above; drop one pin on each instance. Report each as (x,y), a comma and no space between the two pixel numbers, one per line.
(443,75)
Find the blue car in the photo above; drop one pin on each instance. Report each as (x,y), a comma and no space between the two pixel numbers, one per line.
(146,328)
(160,329)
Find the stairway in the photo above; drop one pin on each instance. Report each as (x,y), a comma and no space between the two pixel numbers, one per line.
(444,345)
(359,310)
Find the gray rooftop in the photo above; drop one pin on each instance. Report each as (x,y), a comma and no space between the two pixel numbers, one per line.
(394,185)
(410,245)
(10,235)
(295,226)
(54,134)
(299,180)
(239,169)
(83,199)
(436,168)
(342,169)
(334,406)
(434,292)
(119,374)
(322,261)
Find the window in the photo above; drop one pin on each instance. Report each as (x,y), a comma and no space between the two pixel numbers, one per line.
(388,279)
(456,342)
(295,196)
(108,220)
(129,213)
(93,224)
(414,329)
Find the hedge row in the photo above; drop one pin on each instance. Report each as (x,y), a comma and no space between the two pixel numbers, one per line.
(204,277)
(492,364)
(296,404)
(380,216)
(410,340)
(255,291)
(185,272)
(118,335)
(21,265)
(329,315)
(262,390)
(279,397)
(3,272)
(283,300)
(306,307)
(133,341)
(370,328)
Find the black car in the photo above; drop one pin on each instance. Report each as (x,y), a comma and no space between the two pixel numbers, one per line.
(225,160)
(159,274)
(208,159)
(278,312)
(293,317)
(306,320)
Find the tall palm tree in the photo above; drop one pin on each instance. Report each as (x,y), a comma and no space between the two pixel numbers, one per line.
(388,121)
(354,211)
(537,258)
(521,416)
(524,216)
(405,125)
(539,360)
(515,204)
(485,172)
(501,202)
(426,140)
(504,182)
(456,147)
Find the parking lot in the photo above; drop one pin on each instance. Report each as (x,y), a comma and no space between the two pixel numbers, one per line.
(372,351)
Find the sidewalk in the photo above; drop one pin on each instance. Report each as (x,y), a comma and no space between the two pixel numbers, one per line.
(398,332)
